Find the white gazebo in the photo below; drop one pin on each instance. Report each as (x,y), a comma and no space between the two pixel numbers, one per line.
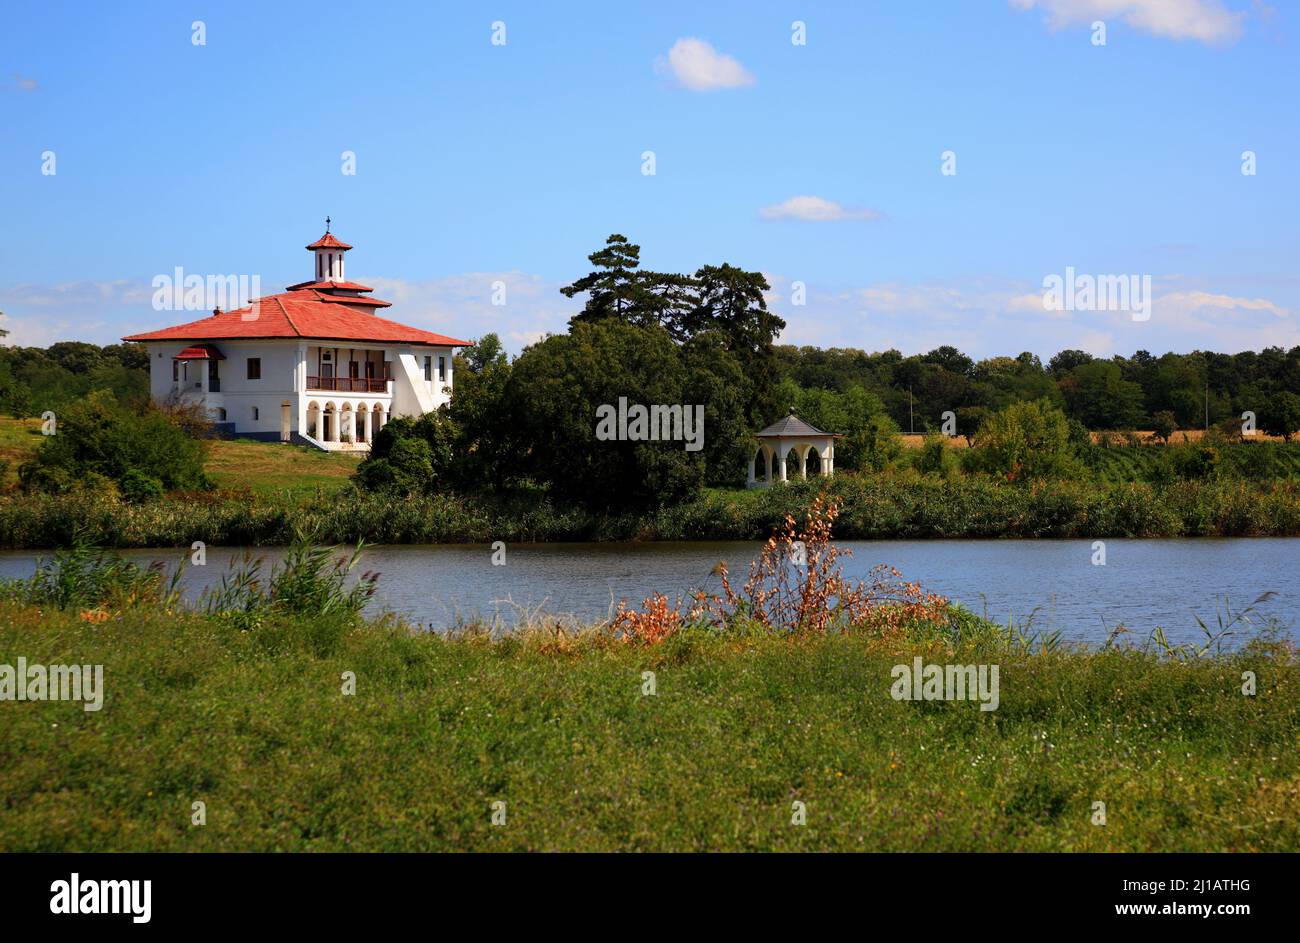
(791,434)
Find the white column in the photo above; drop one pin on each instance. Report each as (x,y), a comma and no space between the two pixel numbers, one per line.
(749,481)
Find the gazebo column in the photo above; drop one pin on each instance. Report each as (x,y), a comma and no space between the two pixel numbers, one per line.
(803,463)
(781,457)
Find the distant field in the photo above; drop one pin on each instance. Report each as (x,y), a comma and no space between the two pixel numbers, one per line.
(261,467)
(915,441)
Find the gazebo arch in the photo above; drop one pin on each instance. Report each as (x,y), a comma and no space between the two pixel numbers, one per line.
(792,435)
(764,455)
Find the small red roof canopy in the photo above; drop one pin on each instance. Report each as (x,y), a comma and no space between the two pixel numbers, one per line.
(200,352)
(328,241)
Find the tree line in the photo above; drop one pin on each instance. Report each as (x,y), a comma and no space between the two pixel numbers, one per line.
(1177,391)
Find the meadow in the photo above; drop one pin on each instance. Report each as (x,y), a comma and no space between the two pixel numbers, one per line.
(270,715)
(249,718)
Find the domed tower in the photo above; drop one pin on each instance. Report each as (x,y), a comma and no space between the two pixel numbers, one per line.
(329,256)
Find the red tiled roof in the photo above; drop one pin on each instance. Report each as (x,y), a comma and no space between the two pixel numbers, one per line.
(306,314)
(200,352)
(325,284)
(328,241)
(354,300)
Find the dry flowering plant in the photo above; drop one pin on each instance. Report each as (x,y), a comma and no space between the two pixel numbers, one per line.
(796,585)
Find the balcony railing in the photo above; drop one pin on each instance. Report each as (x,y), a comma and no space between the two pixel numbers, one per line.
(348,384)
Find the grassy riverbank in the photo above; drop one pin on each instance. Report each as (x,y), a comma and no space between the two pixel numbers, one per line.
(297,724)
(899,505)
(251,721)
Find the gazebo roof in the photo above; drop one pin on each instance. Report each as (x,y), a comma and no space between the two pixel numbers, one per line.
(792,427)
(200,352)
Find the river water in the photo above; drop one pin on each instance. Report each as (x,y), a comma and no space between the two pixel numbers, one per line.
(1054,583)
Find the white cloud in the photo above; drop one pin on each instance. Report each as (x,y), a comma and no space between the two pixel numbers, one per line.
(1206,21)
(461,305)
(815,209)
(696,65)
(988,317)
(1205,301)
(40,315)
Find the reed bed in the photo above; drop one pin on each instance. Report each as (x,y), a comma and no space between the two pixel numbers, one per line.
(900,505)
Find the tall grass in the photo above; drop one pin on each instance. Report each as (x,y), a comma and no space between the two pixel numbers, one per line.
(895,505)
(310,581)
(85,577)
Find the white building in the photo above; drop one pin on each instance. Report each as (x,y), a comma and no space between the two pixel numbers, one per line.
(789,436)
(314,364)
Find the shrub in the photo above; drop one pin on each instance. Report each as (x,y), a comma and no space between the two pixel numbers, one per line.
(138,487)
(1025,441)
(878,444)
(935,457)
(100,436)
(409,456)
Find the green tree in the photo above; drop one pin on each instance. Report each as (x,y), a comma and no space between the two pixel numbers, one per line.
(1025,441)
(731,302)
(1097,394)
(556,388)
(877,444)
(1163,425)
(485,449)
(620,290)
(486,353)
(969,420)
(1281,415)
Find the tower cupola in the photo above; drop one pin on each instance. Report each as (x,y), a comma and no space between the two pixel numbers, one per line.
(329,256)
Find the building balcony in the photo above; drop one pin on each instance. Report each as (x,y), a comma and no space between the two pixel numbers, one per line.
(348,384)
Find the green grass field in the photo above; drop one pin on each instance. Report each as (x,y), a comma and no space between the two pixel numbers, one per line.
(265,468)
(19,438)
(252,722)
(271,468)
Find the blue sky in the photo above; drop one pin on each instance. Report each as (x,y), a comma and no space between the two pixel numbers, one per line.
(478,162)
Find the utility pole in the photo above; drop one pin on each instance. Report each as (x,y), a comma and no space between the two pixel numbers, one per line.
(1207,406)
(911,422)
